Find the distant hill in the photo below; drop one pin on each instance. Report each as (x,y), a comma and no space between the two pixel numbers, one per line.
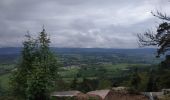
(9,55)
(104,50)
(17,50)
(147,55)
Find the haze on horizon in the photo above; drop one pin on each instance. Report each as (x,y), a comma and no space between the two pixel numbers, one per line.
(79,23)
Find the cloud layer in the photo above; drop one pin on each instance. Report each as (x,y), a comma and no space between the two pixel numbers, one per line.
(79,23)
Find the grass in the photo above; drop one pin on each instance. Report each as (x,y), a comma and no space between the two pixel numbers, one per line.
(5,75)
(68,74)
(4,81)
(7,66)
(121,66)
(92,72)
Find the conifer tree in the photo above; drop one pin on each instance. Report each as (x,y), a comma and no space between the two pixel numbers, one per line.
(44,75)
(24,68)
(36,74)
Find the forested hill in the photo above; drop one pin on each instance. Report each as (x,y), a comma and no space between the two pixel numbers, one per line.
(17,50)
(105,50)
(82,55)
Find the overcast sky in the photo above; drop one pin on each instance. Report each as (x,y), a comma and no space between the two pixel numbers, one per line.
(79,23)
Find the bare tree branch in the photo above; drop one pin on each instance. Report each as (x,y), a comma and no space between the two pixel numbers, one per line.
(161,38)
(160,15)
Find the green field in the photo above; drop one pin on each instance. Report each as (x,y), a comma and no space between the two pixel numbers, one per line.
(5,70)
(4,81)
(68,74)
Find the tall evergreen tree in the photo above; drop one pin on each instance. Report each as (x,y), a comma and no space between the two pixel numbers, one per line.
(44,74)
(37,72)
(24,68)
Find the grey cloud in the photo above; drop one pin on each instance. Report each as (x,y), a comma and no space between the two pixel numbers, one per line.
(78,23)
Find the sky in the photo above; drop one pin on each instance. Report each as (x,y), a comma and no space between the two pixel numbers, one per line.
(79,23)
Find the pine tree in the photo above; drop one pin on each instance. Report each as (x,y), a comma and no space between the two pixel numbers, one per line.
(44,75)
(24,68)
(36,74)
